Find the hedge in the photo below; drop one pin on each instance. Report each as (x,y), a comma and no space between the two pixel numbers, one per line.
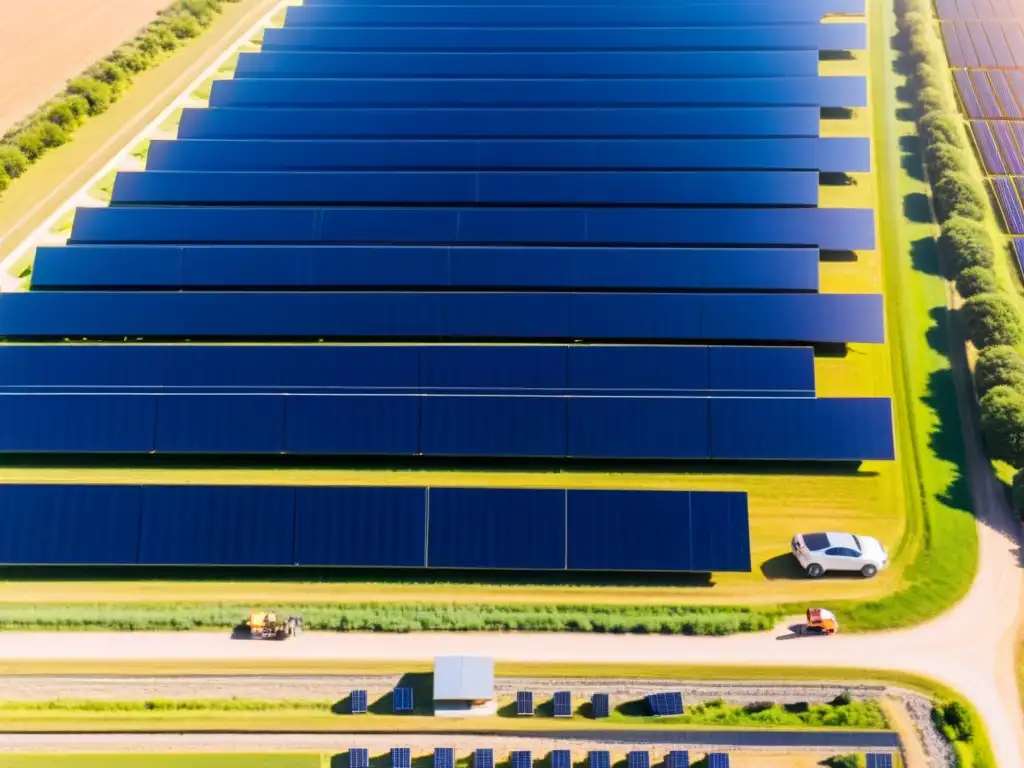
(975,280)
(1002,423)
(999,365)
(957,195)
(965,243)
(98,87)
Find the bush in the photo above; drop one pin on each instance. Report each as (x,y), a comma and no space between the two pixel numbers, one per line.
(939,126)
(992,320)
(131,59)
(185,27)
(61,114)
(113,75)
(99,95)
(5,180)
(998,366)
(955,194)
(51,134)
(930,98)
(30,142)
(12,161)
(845,761)
(956,716)
(1018,492)
(964,244)
(79,106)
(1002,424)
(975,280)
(943,158)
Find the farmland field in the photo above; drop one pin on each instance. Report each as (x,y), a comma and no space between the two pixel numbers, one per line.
(55,41)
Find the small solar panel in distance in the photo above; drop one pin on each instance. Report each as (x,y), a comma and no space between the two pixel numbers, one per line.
(401,757)
(600,705)
(483,758)
(879,760)
(522,759)
(402,700)
(677,758)
(358,699)
(638,759)
(359,757)
(718,760)
(561,758)
(444,757)
(524,703)
(563,704)
(663,704)
(599,758)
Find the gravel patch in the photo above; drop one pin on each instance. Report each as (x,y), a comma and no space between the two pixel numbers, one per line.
(938,750)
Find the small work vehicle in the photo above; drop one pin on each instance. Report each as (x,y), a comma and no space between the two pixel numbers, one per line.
(821,621)
(264,625)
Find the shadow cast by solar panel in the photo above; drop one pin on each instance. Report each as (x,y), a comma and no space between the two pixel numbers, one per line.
(837,179)
(837,113)
(633,708)
(837,256)
(917,208)
(342,707)
(835,56)
(422,684)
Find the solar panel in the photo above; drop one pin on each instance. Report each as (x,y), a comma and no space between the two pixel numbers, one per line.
(563,704)
(522,759)
(358,757)
(718,760)
(401,757)
(879,760)
(677,758)
(638,759)
(444,757)
(663,704)
(402,701)
(561,758)
(599,702)
(358,702)
(483,758)
(599,758)
(524,703)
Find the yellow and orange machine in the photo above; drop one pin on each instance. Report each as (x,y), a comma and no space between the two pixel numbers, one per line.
(264,625)
(822,621)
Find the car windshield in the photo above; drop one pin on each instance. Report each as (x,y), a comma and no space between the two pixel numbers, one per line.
(816,541)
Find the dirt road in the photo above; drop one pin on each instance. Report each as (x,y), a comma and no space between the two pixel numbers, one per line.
(47,42)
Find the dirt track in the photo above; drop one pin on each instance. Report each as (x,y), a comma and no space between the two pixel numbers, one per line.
(47,42)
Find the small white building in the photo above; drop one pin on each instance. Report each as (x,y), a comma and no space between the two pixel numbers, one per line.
(464,686)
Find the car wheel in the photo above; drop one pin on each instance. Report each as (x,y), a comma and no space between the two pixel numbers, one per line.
(868,571)
(814,570)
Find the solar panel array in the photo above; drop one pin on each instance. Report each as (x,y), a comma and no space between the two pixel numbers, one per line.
(359,702)
(483,758)
(661,704)
(718,760)
(401,756)
(638,759)
(600,705)
(444,757)
(563,704)
(635,238)
(879,760)
(599,758)
(985,45)
(402,700)
(677,758)
(524,703)
(561,758)
(521,759)
(358,757)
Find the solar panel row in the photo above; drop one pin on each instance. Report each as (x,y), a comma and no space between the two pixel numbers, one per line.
(801,318)
(402,702)
(561,758)
(879,760)
(984,43)
(968,97)
(832,154)
(549,369)
(563,704)
(779,429)
(718,760)
(599,758)
(664,704)
(838,91)
(148,267)
(677,758)
(444,757)
(385,527)
(1010,205)
(986,142)
(638,759)
(483,758)
(358,757)
(359,705)
(600,706)
(524,703)
(521,759)
(980,9)
(400,756)
(841,37)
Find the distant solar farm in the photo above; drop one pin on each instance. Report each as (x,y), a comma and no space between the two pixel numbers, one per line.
(556,287)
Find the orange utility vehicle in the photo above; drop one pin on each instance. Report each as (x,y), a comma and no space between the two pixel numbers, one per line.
(821,621)
(265,626)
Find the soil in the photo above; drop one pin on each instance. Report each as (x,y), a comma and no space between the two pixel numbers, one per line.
(47,42)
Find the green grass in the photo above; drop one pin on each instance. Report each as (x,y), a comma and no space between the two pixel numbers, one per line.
(172,121)
(202,93)
(63,224)
(141,151)
(104,188)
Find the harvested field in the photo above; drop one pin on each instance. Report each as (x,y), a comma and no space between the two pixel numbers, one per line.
(51,41)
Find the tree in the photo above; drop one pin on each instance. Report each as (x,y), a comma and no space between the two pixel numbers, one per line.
(99,95)
(1002,423)
(30,142)
(51,134)
(975,280)
(939,126)
(78,104)
(12,161)
(992,320)
(943,158)
(998,366)
(930,98)
(956,194)
(964,244)
(61,114)
(113,75)
(957,716)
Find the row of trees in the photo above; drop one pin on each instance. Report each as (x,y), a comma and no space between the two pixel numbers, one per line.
(99,86)
(992,320)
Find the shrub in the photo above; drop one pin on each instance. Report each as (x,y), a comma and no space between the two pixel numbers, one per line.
(943,158)
(844,761)
(61,114)
(79,106)
(131,59)
(98,94)
(113,75)
(997,366)
(992,320)
(185,27)
(12,161)
(964,244)
(975,280)
(5,180)
(930,98)
(51,134)
(956,716)
(1018,492)
(956,194)
(30,142)
(1002,423)
(939,126)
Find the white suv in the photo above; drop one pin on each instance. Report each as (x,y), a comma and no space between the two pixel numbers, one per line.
(820,552)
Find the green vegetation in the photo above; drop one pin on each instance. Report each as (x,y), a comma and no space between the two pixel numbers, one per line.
(846,761)
(390,617)
(141,152)
(961,726)
(98,87)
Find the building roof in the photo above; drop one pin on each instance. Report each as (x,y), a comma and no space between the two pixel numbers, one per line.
(463,677)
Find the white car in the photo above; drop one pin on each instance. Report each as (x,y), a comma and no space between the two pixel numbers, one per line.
(821,552)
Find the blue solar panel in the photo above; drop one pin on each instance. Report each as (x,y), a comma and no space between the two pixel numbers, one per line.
(677,758)
(483,758)
(599,758)
(400,756)
(561,758)
(444,757)
(638,759)
(879,760)
(662,704)
(563,704)
(359,703)
(718,760)
(524,703)
(358,757)
(403,700)
(521,759)
(599,705)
